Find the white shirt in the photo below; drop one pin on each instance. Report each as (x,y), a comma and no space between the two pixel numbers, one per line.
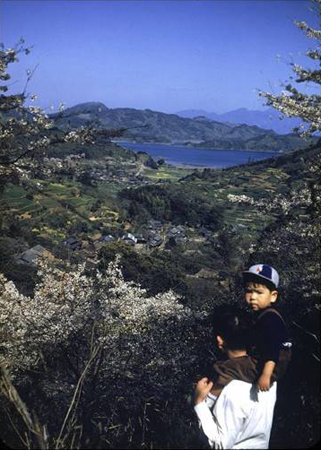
(241,418)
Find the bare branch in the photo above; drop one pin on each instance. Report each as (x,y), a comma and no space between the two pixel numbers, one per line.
(306,331)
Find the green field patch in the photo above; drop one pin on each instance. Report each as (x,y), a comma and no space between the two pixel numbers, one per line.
(108,213)
(267,185)
(278,173)
(52,233)
(19,204)
(12,192)
(61,187)
(167,173)
(62,191)
(159,176)
(55,188)
(104,209)
(49,202)
(84,209)
(25,207)
(31,209)
(15,198)
(106,189)
(78,202)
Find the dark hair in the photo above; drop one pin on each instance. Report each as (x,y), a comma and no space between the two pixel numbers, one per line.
(233,325)
(252,278)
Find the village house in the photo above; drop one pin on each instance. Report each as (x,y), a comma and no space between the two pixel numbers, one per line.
(72,242)
(154,224)
(31,255)
(141,239)
(178,234)
(203,231)
(106,238)
(130,239)
(154,239)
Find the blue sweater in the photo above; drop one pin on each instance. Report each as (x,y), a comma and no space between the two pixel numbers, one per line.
(270,334)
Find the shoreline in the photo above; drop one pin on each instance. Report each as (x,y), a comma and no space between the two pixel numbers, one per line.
(166,144)
(191,166)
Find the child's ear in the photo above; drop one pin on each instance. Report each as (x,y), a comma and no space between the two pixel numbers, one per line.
(274,296)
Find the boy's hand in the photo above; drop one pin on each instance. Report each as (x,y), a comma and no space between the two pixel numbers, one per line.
(202,389)
(264,382)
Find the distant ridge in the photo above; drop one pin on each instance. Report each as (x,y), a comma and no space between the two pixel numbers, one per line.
(268,119)
(90,107)
(147,126)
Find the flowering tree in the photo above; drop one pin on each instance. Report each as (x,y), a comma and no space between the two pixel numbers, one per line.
(27,132)
(127,344)
(292,102)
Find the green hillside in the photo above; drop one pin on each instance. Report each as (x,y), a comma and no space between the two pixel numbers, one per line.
(195,232)
(157,127)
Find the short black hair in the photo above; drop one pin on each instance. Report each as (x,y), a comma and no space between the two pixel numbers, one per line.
(252,278)
(233,324)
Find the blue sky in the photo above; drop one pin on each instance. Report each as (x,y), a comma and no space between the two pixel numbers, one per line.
(162,55)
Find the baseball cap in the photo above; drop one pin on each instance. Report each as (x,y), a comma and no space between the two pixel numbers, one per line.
(262,271)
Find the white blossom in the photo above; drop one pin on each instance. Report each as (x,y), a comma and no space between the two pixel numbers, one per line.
(293,103)
(240,199)
(139,332)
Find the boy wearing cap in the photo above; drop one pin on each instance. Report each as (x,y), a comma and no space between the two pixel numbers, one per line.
(270,335)
(237,416)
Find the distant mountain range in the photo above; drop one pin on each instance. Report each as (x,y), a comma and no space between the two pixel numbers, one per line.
(268,119)
(147,126)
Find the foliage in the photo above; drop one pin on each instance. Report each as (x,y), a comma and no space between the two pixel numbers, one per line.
(292,245)
(294,103)
(106,359)
(26,132)
(269,142)
(139,347)
(122,409)
(180,204)
(155,272)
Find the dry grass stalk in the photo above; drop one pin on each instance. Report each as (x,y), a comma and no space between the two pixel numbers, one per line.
(33,426)
(75,400)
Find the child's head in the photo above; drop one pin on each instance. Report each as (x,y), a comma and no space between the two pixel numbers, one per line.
(232,325)
(261,283)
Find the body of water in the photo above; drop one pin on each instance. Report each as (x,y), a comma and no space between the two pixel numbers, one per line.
(197,157)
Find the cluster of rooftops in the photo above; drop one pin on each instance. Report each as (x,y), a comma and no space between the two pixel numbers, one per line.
(153,235)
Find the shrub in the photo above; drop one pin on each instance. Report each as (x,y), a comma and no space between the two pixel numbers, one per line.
(98,352)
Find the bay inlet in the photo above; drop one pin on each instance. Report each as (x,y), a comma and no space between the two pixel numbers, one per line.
(180,156)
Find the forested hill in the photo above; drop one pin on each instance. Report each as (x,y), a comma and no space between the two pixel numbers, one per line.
(157,127)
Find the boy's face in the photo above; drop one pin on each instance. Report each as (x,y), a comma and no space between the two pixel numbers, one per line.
(259,296)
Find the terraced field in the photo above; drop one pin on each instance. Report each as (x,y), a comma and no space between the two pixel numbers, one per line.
(55,209)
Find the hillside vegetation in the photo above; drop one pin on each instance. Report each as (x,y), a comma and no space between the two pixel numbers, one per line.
(152,126)
(211,224)
(112,266)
